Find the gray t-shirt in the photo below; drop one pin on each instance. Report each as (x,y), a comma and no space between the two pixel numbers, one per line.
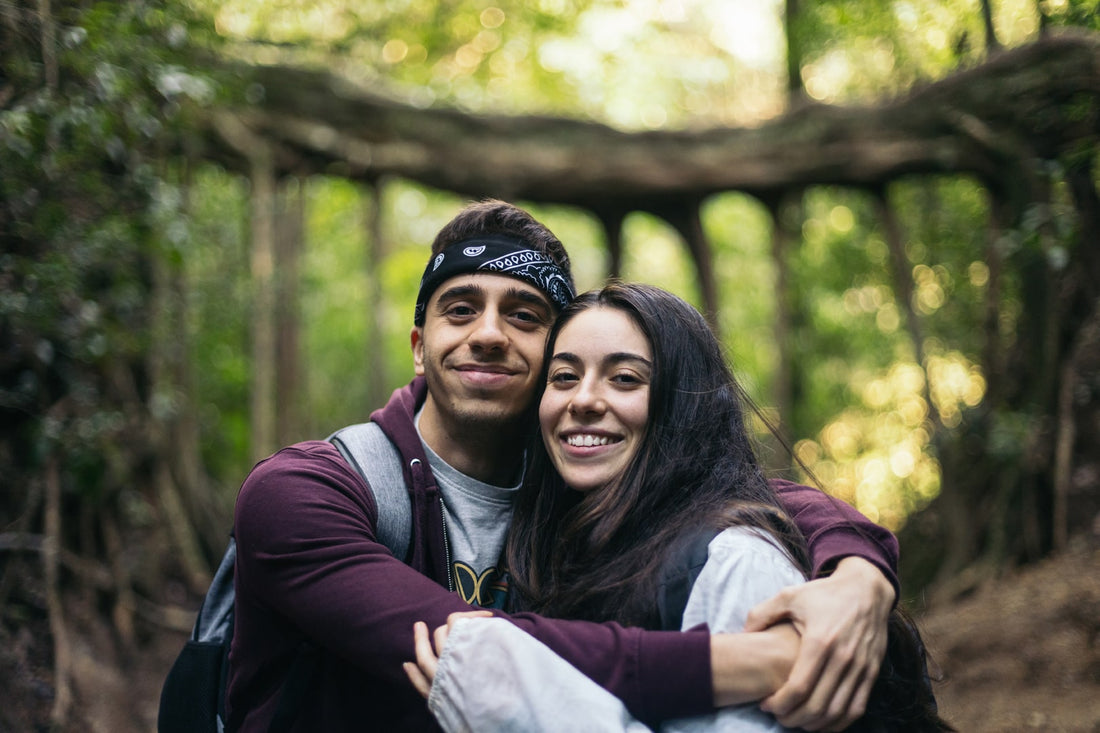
(477,515)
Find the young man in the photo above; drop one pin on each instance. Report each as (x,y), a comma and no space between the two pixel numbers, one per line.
(311,571)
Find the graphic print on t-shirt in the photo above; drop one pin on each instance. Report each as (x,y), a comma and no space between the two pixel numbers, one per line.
(488,590)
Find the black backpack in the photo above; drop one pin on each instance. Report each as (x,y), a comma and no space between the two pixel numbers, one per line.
(678,575)
(193,697)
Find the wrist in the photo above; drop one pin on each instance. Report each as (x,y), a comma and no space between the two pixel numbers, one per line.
(883,591)
(749,666)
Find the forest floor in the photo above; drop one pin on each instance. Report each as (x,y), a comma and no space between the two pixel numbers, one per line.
(1019,653)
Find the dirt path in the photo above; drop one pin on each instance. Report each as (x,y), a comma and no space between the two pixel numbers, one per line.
(1022,653)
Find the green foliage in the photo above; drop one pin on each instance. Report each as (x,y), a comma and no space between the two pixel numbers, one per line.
(85,117)
(1078,13)
(90,211)
(215,267)
(454,51)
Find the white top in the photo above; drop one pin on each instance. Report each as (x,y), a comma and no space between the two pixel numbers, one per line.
(494,677)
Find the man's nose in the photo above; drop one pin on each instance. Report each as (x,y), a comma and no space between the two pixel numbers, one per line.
(489,332)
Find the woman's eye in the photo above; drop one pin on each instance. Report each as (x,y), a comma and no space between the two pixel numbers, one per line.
(562,377)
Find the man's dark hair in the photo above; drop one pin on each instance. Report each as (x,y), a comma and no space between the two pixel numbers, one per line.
(492,216)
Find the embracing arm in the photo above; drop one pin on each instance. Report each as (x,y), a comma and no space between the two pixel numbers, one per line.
(535,686)
(307,551)
(842,614)
(532,688)
(835,530)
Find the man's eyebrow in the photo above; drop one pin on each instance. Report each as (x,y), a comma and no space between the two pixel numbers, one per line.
(460,291)
(530,297)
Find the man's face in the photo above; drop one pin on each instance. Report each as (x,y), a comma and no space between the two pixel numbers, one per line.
(481,349)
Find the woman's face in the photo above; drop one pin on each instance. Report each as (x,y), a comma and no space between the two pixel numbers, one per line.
(594,410)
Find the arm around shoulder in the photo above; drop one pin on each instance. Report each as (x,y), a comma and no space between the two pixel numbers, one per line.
(835,530)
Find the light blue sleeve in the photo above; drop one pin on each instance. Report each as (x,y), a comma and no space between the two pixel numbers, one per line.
(743,569)
(494,678)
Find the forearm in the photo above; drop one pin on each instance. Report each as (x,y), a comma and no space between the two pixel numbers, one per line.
(883,593)
(658,675)
(747,667)
(834,530)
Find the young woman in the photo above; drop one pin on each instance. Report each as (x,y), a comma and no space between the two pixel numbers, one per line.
(644,451)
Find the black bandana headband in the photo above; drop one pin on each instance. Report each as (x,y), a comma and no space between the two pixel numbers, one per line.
(494,254)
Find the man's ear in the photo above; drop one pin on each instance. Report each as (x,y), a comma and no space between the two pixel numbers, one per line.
(416,338)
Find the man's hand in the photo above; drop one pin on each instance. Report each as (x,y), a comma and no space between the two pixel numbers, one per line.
(842,619)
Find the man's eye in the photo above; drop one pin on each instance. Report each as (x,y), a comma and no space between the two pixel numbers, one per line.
(528,317)
(460,310)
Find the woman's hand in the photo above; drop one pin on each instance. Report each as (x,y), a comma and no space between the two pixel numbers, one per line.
(747,667)
(422,674)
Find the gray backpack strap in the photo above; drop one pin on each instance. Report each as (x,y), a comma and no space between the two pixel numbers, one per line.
(367,449)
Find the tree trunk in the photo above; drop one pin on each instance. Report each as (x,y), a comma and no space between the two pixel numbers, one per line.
(796,91)
(612,222)
(783,241)
(374,252)
(685,219)
(992,45)
(264,357)
(290,203)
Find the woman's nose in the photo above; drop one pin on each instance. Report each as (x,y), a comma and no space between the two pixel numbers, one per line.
(587,398)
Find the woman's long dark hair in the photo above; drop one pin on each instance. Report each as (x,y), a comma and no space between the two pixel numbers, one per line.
(597,555)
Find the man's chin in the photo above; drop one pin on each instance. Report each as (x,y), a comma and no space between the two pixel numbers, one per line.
(486,415)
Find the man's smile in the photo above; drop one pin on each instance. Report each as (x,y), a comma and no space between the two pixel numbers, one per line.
(485,374)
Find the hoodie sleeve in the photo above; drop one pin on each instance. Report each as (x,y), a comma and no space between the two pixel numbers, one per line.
(835,530)
(309,564)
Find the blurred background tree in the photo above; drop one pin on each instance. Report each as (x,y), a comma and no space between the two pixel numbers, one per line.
(172,309)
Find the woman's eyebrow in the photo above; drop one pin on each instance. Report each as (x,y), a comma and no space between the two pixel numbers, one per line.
(620,356)
(612,358)
(567,357)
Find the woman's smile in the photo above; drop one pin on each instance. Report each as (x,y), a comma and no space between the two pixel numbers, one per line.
(596,404)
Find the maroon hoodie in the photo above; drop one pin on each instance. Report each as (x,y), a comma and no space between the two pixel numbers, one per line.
(310,570)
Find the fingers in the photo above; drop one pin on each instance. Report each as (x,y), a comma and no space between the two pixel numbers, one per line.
(826,691)
(768,613)
(858,705)
(426,658)
(457,616)
(419,681)
(789,702)
(429,647)
(440,637)
(856,689)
